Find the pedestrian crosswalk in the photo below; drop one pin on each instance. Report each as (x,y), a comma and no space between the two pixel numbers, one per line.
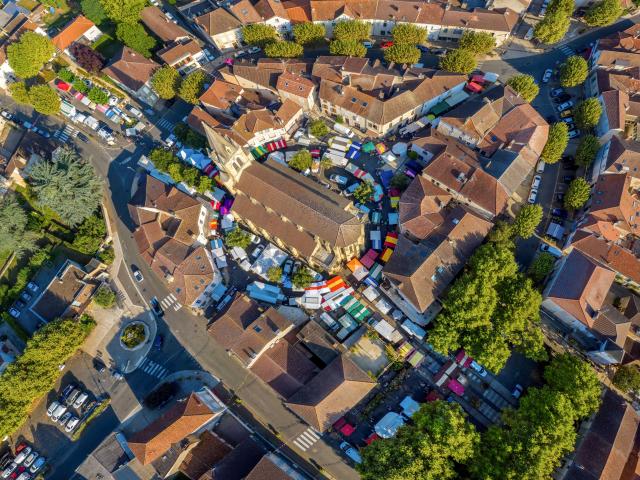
(306,439)
(154,369)
(164,124)
(170,300)
(67,133)
(567,51)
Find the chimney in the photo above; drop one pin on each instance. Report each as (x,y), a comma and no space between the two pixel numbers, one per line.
(391,65)
(381,95)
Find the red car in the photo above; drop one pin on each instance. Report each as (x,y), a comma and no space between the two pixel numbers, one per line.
(386,44)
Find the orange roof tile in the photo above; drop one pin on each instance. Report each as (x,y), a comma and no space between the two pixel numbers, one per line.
(72,32)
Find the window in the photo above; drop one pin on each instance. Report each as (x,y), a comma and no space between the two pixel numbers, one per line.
(257,328)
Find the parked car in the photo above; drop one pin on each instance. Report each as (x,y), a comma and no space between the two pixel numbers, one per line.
(547,75)
(386,44)
(156,307)
(21,457)
(568,178)
(351,452)
(71,424)
(14,312)
(33,287)
(560,197)
(532,196)
(26,296)
(82,137)
(555,251)
(423,48)
(20,304)
(257,251)
(6,473)
(72,397)
(158,342)
(137,274)
(567,120)
(24,476)
(253,50)
(529,34)
(517,391)
(556,92)
(573,133)
(30,458)
(7,115)
(536,182)
(39,463)
(52,408)
(563,97)
(559,212)
(564,106)
(80,400)
(339,179)
(64,418)
(439,51)
(479,369)
(67,391)
(288,266)
(566,114)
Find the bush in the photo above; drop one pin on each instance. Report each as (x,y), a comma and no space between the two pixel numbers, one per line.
(458,61)
(351,48)
(587,113)
(556,142)
(479,43)
(237,238)
(402,53)
(577,194)
(99,96)
(107,256)
(541,266)
(573,72)
(80,86)
(302,278)
(90,235)
(587,150)
(318,128)
(66,75)
(301,161)
(400,181)
(525,85)
(274,274)
(133,335)
(86,57)
(105,297)
(283,50)
(188,137)
(363,192)
(627,378)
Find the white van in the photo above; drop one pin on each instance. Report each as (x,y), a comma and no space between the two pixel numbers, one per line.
(540,167)
(343,130)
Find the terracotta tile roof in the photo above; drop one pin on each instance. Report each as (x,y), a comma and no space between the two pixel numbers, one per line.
(609,449)
(423,270)
(246,330)
(182,419)
(287,111)
(130,69)
(246,12)
(284,367)
(612,324)
(271,8)
(295,85)
(218,21)
(623,157)
(298,11)
(331,393)
(209,451)
(498,20)
(158,23)
(221,94)
(304,202)
(612,202)
(420,206)
(197,117)
(267,470)
(175,53)
(610,255)
(72,32)
(581,287)
(618,59)
(239,463)
(616,104)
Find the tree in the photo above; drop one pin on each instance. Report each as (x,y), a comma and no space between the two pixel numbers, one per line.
(525,85)
(352,30)
(98,96)
(541,266)
(44,99)
(301,160)
(308,33)
(14,235)
(479,43)
(363,192)
(259,34)
(192,85)
(577,194)
(458,61)
(552,28)
(587,113)
(527,220)
(80,85)
(587,150)
(502,232)
(432,447)
(351,48)
(68,185)
(66,75)
(563,6)
(123,11)
(409,34)
(575,378)
(28,55)
(93,10)
(283,50)
(573,72)
(107,256)
(165,82)
(90,235)
(402,53)
(556,142)
(162,158)
(134,36)
(318,128)
(237,238)
(603,13)
(400,181)
(274,274)
(627,378)
(302,278)
(87,57)
(105,297)
(19,92)
(34,373)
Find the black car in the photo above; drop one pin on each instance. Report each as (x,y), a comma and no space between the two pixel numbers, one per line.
(568,178)
(83,137)
(20,304)
(156,307)
(559,212)
(560,197)
(565,97)
(158,342)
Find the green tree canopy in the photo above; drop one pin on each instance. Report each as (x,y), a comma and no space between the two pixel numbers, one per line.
(557,142)
(90,235)
(318,128)
(68,185)
(603,13)
(162,158)
(192,85)
(274,274)
(587,113)
(552,28)
(525,85)
(79,85)
(479,43)
(577,194)
(502,232)
(259,34)
(44,99)
(563,6)
(93,10)
(363,192)
(301,160)
(19,92)
(237,238)
(123,11)
(134,36)
(98,96)
(458,61)
(166,82)
(308,33)
(14,235)
(575,378)
(351,48)
(352,31)
(402,53)
(587,150)
(573,71)
(283,49)
(541,266)
(105,297)
(302,278)
(527,220)
(408,33)
(432,447)
(28,55)
(627,378)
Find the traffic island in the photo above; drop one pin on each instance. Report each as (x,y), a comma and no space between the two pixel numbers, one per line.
(134,335)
